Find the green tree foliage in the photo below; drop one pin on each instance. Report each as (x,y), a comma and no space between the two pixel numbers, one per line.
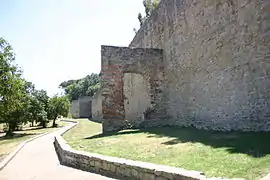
(37,107)
(13,89)
(42,96)
(20,102)
(82,87)
(58,106)
(149,7)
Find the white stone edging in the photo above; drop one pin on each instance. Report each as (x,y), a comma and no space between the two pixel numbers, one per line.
(119,167)
(13,154)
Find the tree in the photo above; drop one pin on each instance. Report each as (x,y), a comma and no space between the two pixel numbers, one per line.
(82,87)
(58,106)
(36,111)
(149,7)
(43,97)
(13,92)
(19,101)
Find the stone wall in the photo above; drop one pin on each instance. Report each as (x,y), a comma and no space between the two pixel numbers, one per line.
(85,106)
(81,108)
(137,98)
(216,58)
(117,167)
(74,109)
(118,61)
(97,107)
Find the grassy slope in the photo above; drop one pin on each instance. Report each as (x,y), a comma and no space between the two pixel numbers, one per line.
(216,154)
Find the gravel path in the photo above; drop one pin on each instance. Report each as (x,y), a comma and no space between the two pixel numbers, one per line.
(38,161)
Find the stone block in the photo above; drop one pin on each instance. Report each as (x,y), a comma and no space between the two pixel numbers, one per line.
(148,176)
(92,162)
(98,164)
(112,167)
(134,172)
(161,178)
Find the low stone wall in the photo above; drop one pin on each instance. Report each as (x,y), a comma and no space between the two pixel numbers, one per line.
(118,167)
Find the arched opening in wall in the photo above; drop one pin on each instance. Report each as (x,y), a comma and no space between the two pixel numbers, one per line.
(137,98)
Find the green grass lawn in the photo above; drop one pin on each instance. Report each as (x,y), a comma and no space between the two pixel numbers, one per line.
(9,144)
(231,155)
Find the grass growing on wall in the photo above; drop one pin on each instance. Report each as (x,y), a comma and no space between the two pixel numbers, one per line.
(242,155)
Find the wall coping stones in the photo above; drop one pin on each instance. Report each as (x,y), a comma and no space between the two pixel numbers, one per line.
(119,167)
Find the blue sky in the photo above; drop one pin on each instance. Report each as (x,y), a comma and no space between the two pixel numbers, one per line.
(57,40)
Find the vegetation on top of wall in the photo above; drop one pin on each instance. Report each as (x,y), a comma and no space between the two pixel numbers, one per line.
(82,87)
(20,102)
(149,7)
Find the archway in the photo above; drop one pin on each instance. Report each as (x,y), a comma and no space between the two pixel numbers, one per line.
(136,98)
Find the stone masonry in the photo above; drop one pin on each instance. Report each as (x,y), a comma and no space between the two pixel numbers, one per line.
(120,168)
(81,108)
(204,63)
(97,107)
(118,62)
(74,109)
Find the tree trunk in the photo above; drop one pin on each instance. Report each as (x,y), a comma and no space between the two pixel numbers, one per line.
(11,128)
(9,133)
(44,124)
(54,124)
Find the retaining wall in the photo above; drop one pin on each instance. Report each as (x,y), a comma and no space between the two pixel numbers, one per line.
(118,167)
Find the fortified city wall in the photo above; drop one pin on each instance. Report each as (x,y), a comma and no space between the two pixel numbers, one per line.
(214,72)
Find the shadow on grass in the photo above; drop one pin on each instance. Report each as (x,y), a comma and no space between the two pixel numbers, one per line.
(16,135)
(255,144)
(96,121)
(40,127)
(32,128)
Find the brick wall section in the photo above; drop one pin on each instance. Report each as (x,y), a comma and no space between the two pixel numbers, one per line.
(119,60)
(119,168)
(216,58)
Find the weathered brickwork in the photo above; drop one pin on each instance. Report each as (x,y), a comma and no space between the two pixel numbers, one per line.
(216,57)
(116,62)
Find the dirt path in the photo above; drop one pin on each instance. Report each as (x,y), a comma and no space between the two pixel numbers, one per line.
(38,161)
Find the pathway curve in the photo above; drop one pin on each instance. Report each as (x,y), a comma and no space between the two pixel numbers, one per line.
(266,177)
(37,160)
